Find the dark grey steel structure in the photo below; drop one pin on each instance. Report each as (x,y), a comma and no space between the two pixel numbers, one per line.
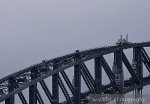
(29,78)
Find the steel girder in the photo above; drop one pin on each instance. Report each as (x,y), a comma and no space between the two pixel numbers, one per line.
(98,75)
(88,74)
(64,90)
(109,73)
(65,77)
(89,85)
(77,84)
(22,98)
(20,94)
(39,98)
(77,81)
(55,87)
(60,82)
(146,59)
(87,55)
(127,88)
(32,94)
(55,71)
(11,87)
(46,90)
(87,77)
(137,58)
(33,88)
(130,69)
(119,75)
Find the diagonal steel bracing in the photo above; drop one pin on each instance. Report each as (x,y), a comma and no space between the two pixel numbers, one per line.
(64,90)
(22,98)
(88,74)
(20,94)
(89,85)
(130,69)
(146,55)
(65,77)
(109,72)
(146,59)
(46,90)
(39,98)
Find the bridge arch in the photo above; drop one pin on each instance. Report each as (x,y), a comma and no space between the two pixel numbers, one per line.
(29,77)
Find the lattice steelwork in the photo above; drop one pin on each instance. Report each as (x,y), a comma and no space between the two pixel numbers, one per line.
(29,78)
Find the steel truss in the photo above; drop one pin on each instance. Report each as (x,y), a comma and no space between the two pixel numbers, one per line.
(34,75)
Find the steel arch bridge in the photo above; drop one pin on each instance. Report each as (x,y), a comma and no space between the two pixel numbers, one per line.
(14,84)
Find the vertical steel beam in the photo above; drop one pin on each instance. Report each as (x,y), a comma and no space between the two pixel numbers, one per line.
(118,72)
(32,89)
(119,76)
(77,84)
(98,75)
(137,59)
(55,87)
(11,87)
(77,81)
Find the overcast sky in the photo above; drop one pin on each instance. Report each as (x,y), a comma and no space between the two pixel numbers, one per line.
(33,30)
